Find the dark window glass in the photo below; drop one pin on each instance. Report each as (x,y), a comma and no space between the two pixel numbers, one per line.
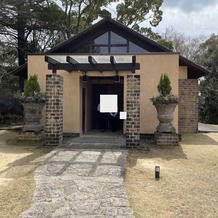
(103,39)
(133,48)
(101,49)
(118,49)
(116,39)
(84,49)
(111,42)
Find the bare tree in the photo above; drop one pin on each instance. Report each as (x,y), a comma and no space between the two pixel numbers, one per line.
(188,46)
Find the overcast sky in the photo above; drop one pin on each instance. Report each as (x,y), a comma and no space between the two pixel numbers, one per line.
(191,17)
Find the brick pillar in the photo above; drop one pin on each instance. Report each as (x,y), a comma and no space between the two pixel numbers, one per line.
(54,109)
(188,105)
(133,112)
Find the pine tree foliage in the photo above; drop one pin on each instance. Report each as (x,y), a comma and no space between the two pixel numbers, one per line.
(164,87)
(32,87)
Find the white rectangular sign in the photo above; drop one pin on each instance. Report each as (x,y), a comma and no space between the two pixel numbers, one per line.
(108,104)
(123,115)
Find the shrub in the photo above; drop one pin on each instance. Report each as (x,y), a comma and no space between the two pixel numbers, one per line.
(164,88)
(32,86)
(32,92)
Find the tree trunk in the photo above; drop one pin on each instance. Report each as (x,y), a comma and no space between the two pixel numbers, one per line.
(21,43)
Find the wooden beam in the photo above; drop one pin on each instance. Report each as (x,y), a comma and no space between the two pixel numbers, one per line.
(133,60)
(52,64)
(112,60)
(113,63)
(51,60)
(71,60)
(92,60)
(133,63)
(54,70)
(98,67)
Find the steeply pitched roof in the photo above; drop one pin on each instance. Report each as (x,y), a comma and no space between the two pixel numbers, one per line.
(101,27)
(108,24)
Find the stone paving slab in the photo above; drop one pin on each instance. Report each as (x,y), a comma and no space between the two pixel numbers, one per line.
(206,128)
(80,183)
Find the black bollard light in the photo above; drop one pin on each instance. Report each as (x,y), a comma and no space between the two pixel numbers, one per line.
(157,172)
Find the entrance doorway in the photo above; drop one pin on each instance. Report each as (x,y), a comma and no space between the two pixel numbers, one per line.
(104,86)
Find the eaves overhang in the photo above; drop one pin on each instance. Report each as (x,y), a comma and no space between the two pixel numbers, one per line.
(195,71)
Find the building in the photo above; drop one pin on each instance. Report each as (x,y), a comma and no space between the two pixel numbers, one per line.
(113,59)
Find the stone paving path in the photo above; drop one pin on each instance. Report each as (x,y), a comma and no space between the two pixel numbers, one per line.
(82,183)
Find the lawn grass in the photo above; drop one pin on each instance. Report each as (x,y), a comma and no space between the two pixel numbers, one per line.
(188,184)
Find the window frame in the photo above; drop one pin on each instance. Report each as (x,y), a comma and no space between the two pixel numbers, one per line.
(93,47)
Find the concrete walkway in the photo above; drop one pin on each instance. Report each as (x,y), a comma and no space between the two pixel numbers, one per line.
(205,128)
(82,183)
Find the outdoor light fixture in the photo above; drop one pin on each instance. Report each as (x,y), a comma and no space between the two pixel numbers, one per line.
(117,78)
(157,172)
(85,77)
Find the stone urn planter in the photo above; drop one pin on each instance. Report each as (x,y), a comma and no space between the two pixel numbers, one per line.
(32,117)
(33,102)
(165,104)
(165,117)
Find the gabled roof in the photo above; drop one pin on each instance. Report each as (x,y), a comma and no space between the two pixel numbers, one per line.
(101,27)
(108,24)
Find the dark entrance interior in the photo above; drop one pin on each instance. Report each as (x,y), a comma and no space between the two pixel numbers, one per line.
(106,86)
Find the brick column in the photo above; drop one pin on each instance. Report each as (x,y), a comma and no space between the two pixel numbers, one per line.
(133,112)
(188,105)
(54,109)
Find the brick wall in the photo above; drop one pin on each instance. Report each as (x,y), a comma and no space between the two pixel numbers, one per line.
(166,138)
(34,136)
(133,112)
(188,105)
(54,109)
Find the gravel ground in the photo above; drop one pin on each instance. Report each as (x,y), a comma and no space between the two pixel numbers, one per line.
(188,184)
